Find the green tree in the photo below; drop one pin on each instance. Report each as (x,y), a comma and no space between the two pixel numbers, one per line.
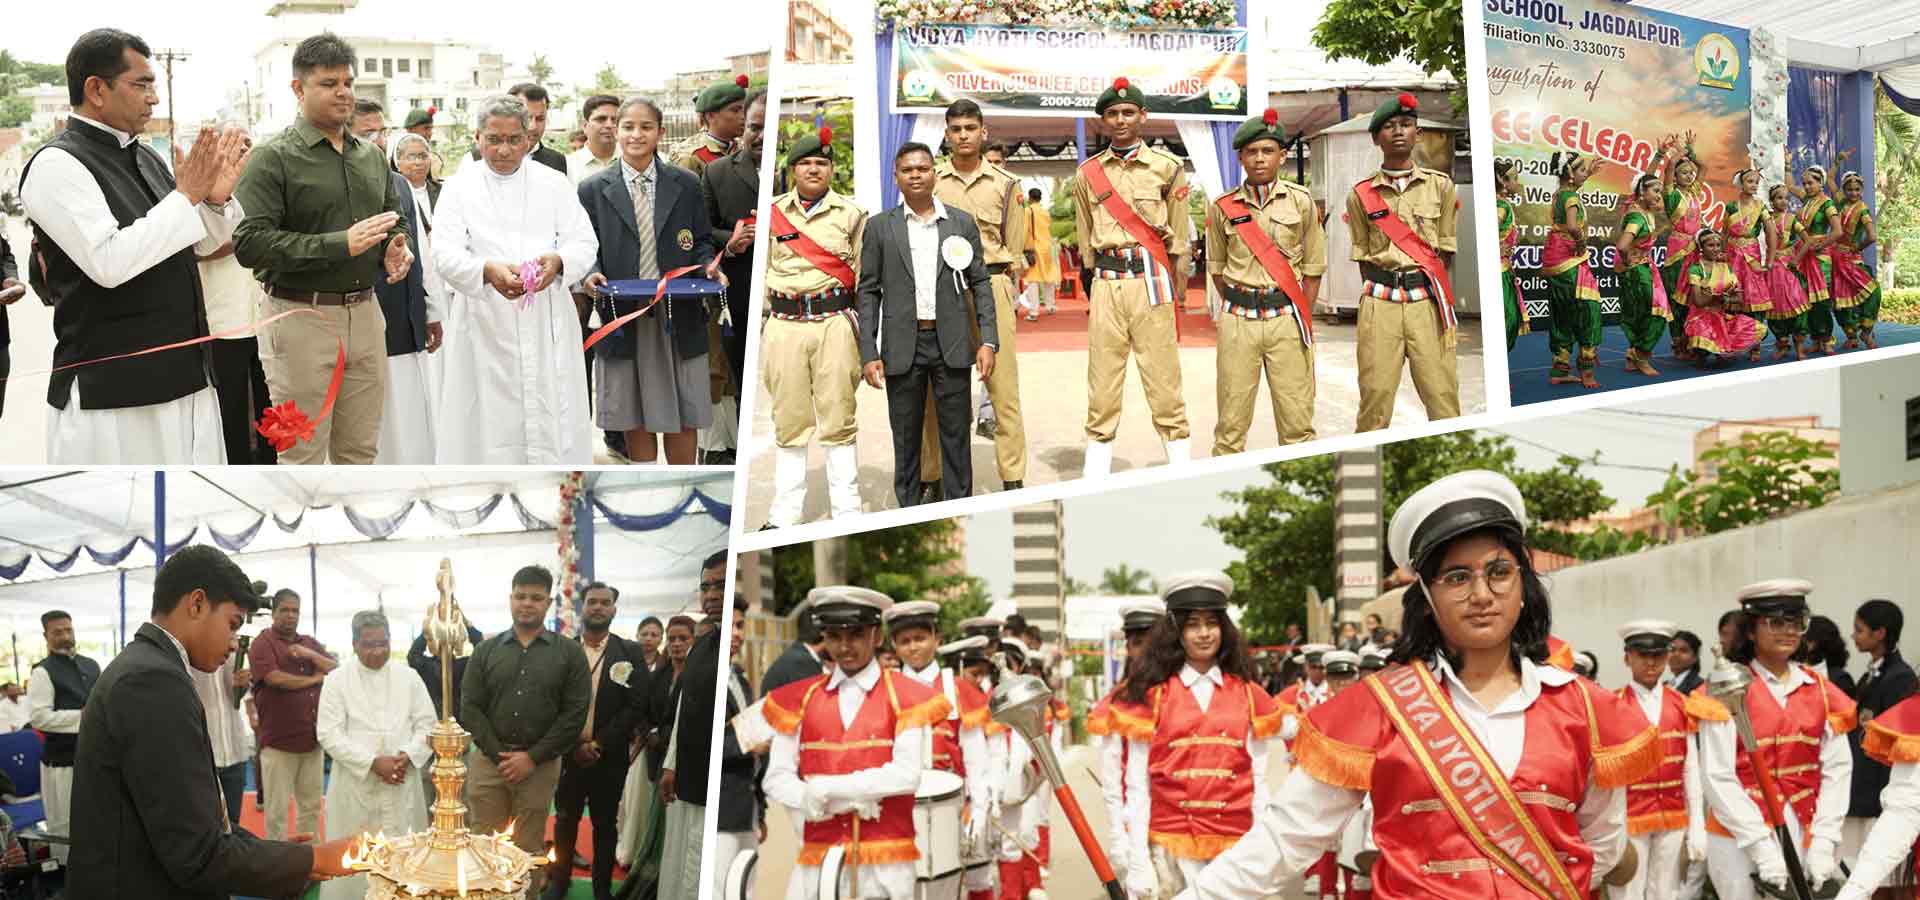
(1896,172)
(1065,229)
(1768,474)
(1431,33)
(541,71)
(15,110)
(1285,529)
(1125,579)
(1076,588)
(608,81)
(909,562)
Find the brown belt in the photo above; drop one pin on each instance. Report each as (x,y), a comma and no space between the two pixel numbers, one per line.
(319,298)
(928,324)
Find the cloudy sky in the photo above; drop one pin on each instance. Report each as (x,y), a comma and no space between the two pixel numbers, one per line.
(222,35)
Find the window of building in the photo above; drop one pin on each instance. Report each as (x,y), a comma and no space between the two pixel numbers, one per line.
(439,102)
(386,68)
(425,69)
(405,66)
(373,65)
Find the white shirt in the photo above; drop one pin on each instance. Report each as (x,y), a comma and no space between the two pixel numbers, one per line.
(228,288)
(226,723)
(1308,815)
(923,245)
(40,706)
(429,278)
(973,740)
(1729,799)
(63,198)
(15,714)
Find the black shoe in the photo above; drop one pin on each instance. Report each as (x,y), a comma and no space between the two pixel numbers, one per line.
(580,862)
(929,492)
(986,428)
(1012,485)
(718,458)
(616,444)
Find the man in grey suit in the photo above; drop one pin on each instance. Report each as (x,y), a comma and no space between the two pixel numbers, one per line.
(919,268)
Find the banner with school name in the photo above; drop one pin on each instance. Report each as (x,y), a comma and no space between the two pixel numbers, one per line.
(1034,71)
(1607,79)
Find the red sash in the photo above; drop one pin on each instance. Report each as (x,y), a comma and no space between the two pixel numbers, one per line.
(705,154)
(1271,259)
(1402,236)
(1130,222)
(810,250)
(1469,782)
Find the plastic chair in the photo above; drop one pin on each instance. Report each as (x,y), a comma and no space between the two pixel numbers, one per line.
(20,753)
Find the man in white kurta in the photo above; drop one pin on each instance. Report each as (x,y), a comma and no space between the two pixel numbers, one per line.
(409,422)
(514,392)
(374,718)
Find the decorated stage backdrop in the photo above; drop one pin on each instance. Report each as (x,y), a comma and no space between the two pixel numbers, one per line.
(1052,71)
(1605,78)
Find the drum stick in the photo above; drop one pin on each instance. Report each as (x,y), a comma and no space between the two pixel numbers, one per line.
(853,861)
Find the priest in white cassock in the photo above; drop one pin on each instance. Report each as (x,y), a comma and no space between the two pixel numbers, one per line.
(118,234)
(514,392)
(374,719)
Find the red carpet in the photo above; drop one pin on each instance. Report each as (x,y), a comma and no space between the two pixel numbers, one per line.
(1067,329)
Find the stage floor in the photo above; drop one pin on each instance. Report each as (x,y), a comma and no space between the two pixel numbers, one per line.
(1530,361)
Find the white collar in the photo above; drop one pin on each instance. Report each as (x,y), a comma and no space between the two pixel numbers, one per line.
(121,136)
(928,675)
(865,679)
(1308,687)
(1643,691)
(1532,679)
(629,173)
(939,212)
(182,648)
(1189,676)
(1796,676)
(486,170)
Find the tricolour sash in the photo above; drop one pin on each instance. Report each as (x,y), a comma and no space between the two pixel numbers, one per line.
(1403,237)
(1469,782)
(810,250)
(1129,221)
(1271,259)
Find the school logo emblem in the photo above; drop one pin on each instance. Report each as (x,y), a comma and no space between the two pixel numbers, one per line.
(1224,93)
(1716,61)
(918,85)
(685,238)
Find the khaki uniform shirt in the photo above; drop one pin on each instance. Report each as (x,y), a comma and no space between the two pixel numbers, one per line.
(1428,206)
(835,224)
(683,155)
(992,196)
(1288,217)
(1154,184)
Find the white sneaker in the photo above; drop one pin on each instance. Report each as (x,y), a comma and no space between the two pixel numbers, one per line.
(1178,452)
(1099,459)
(843,480)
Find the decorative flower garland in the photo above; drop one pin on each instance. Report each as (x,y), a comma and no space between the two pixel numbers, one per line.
(569,577)
(1114,14)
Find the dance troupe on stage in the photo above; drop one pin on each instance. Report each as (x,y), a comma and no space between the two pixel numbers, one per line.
(1468,761)
(1770,267)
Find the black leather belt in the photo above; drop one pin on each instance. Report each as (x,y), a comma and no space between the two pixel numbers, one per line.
(810,305)
(1120,262)
(999,268)
(1270,298)
(320,298)
(1408,280)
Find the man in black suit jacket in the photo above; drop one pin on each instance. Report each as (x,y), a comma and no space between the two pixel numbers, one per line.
(594,773)
(536,99)
(803,659)
(731,186)
(1888,680)
(149,820)
(917,261)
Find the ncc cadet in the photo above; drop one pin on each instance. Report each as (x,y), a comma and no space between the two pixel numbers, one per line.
(722,107)
(809,352)
(1129,204)
(1266,251)
(991,195)
(1803,720)
(1402,223)
(847,768)
(1666,820)
(1136,622)
(958,742)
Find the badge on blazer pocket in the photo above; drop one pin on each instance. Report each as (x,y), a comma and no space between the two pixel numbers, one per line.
(622,670)
(685,238)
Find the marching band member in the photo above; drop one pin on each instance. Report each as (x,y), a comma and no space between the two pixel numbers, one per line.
(1136,621)
(848,751)
(1023,804)
(1343,671)
(1892,738)
(1373,660)
(1664,812)
(959,743)
(1299,697)
(1197,729)
(1801,720)
(1445,739)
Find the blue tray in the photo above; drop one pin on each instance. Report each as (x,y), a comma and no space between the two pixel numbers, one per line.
(643,288)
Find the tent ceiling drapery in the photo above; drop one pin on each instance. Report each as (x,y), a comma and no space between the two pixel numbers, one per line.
(656,570)
(1842,35)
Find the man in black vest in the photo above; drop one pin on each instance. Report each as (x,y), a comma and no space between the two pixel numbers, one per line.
(119,234)
(56,693)
(731,185)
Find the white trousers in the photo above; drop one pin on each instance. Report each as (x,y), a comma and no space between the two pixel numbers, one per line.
(883,881)
(726,846)
(1660,854)
(56,791)
(183,431)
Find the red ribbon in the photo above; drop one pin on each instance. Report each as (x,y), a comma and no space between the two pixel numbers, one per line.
(282,425)
(659,293)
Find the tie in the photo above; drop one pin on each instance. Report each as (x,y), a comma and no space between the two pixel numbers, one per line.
(642,190)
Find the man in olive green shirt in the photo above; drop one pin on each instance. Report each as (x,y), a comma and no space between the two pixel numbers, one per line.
(322,224)
(524,697)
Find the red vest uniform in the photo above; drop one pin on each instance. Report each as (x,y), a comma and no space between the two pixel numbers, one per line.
(1659,801)
(1100,723)
(1789,737)
(895,705)
(946,732)
(1350,742)
(1199,773)
(1893,737)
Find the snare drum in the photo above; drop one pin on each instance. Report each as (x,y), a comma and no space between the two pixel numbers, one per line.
(936,834)
(740,880)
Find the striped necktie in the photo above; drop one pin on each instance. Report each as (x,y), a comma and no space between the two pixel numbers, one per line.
(641,187)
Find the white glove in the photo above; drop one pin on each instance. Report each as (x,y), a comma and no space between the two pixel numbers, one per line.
(814,803)
(1771,865)
(1697,846)
(1821,866)
(1140,880)
(867,809)
(974,830)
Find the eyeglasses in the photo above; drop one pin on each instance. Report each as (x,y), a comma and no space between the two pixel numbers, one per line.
(1500,576)
(1793,624)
